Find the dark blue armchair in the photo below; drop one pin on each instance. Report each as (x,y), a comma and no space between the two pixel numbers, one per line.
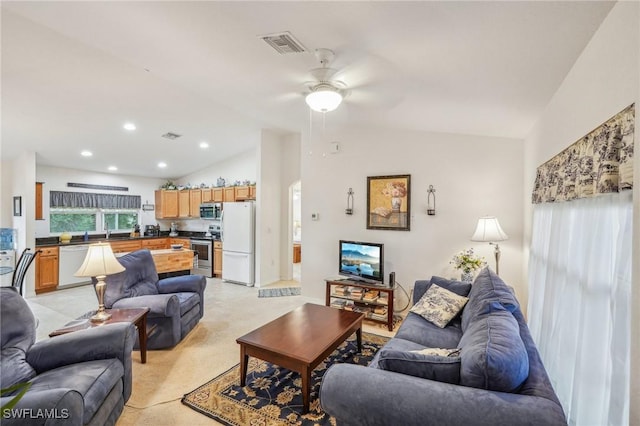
(79,378)
(176,304)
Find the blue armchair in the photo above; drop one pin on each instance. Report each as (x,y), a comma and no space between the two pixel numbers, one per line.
(176,304)
(76,379)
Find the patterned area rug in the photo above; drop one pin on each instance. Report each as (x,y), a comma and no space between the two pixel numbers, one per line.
(279,291)
(273,395)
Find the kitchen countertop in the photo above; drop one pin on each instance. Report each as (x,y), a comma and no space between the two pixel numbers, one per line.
(79,239)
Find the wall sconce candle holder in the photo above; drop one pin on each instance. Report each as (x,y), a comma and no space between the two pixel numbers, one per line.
(431,201)
(349,209)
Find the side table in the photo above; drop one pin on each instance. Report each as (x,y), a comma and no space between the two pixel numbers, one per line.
(135,316)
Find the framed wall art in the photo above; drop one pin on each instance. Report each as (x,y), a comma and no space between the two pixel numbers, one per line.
(17,206)
(389,202)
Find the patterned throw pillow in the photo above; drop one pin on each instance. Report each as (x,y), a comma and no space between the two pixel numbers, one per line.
(439,305)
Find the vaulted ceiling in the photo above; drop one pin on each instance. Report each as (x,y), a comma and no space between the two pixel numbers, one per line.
(74,72)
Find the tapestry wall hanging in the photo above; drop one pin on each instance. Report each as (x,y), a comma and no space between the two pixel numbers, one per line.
(598,163)
(389,202)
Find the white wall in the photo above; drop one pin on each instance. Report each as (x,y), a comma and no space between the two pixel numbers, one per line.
(603,81)
(56,179)
(6,199)
(473,176)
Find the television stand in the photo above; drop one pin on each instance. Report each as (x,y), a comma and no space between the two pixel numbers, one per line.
(375,301)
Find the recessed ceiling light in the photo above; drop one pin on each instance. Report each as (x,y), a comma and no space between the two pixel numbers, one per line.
(129,126)
(204,145)
(113,168)
(162,164)
(86,153)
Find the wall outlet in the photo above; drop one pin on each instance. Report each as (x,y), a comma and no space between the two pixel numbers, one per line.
(315,216)
(335,147)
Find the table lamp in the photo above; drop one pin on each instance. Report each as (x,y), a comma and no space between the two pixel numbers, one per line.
(99,262)
(489,230)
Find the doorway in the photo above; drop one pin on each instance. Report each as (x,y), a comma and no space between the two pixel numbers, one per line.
(296,230)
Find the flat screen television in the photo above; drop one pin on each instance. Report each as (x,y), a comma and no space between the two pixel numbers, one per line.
(362,261)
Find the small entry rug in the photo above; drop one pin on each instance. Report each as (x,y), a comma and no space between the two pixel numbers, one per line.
(279,291)
(273,395)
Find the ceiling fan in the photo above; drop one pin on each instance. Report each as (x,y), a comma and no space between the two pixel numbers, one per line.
(325,93)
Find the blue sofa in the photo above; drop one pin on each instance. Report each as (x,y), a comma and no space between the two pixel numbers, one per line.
(496,377)
(176,304)
(80,378)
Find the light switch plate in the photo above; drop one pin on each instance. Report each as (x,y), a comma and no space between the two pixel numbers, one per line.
(315,216)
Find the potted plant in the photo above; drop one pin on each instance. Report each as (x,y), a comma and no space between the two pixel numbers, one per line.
(467,262)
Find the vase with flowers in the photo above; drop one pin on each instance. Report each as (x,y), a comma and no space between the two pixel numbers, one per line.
(396,191)
(467,262)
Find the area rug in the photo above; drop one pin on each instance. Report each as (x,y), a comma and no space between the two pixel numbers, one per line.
(279,291)
(273,395)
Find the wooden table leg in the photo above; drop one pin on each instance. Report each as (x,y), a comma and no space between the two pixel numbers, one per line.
(306,388)
(359,338)
(142,337)
(244,361)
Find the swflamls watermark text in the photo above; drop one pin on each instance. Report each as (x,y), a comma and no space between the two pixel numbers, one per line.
(31,413)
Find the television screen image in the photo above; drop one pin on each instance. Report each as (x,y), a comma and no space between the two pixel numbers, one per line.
(364,260)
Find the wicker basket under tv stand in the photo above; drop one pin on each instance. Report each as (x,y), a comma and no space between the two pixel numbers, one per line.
(360,303)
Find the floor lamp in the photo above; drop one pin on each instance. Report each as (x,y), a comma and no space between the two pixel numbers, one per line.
(489,230)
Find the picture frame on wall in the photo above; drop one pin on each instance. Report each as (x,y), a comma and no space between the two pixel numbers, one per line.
(389,202)
(17,206)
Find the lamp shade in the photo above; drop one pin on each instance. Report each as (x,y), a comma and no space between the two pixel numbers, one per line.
(100,261)
(489,229)
(324,98)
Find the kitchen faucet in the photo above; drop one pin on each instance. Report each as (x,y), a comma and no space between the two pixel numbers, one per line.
(107,231)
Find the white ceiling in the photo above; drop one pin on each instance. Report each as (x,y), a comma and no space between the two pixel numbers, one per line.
(74,72)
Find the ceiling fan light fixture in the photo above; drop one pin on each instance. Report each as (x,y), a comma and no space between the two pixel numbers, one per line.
(324,98)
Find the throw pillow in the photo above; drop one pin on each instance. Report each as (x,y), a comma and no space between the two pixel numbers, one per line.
(458,287)
(427,366)
(439,305)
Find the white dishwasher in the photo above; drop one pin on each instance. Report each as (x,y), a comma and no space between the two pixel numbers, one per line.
(71,258)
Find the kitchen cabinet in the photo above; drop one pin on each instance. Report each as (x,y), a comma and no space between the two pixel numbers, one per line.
(252,192)
(217,194)
(184,203)
(217,258)
(207,195)
(47,269)
(195,199)
(241,193)
(125,246)
(155,244)
(166,204)
(229,194)
(39,214)
(297,253)
(185,242)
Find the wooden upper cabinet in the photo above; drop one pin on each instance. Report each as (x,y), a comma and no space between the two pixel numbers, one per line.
(195,199)
(39,214)
(252,192)
(229,194)
(241,193)
(184,200)
(166,204)
(207,195)
(217,194)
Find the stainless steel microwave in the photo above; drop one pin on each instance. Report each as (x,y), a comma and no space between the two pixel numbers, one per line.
(210,211)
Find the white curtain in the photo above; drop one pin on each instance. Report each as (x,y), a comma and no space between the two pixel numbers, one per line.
(579,304)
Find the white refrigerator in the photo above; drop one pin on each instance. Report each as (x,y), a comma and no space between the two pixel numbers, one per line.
(238,247)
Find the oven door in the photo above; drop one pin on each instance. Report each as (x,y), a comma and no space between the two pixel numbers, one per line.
(204,254)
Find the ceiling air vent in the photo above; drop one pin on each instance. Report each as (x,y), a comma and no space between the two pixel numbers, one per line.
(171,136)
(284,43)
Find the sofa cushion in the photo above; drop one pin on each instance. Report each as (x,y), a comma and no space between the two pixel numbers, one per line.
(439,305)
(92,379)
(417,329)
(14,367)
(487,287)
(425,363)
(493,355)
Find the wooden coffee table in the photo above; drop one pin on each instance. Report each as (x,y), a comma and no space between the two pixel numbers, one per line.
(135,316)
(300,340)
